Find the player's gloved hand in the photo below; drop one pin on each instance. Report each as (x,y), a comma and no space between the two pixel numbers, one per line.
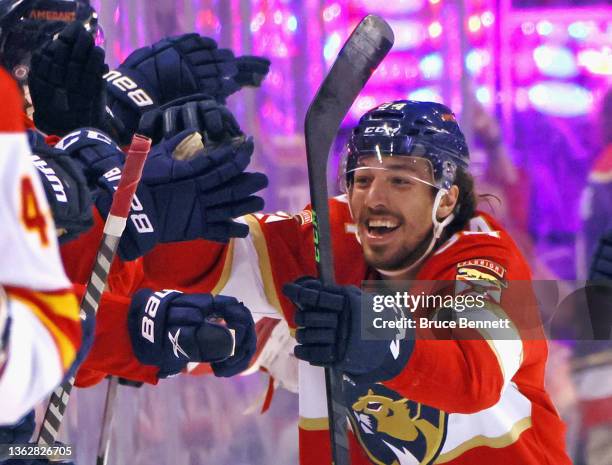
(65,188)
(169,69)
(177,200)
(66,84)
(329,332)
(197,112)
(169,329)
(19,433)
(94,151)
(175,67)
(184,200)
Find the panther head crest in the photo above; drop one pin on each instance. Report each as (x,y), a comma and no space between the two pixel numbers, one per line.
(378,414)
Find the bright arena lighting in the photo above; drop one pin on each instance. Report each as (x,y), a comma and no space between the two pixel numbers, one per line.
(435,29)
(426,94)
(431,66)
(555,61)
(483,95)
(476,60)
(408,33)
(560,98)
(596,61)
(544,27)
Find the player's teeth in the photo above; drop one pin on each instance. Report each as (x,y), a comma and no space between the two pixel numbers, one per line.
(382,224)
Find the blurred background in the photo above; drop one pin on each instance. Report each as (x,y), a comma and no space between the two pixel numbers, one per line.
(528,81)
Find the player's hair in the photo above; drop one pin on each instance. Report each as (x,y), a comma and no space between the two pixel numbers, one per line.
(466,203)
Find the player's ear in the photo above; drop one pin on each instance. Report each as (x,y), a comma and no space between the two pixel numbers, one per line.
(448,202)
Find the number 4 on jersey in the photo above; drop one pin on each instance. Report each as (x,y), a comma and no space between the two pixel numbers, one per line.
(31,215)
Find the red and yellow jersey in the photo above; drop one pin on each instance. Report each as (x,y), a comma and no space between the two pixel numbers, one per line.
(45,329)
(457,401)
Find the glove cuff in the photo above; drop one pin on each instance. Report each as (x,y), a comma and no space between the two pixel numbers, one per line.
(95,151)
(141,230)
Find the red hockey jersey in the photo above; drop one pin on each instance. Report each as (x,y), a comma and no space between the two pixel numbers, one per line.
(458,402)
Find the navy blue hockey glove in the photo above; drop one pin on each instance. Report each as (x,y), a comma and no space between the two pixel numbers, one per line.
(169,329)
(177,200)
(329,332)
(200,113)
(176,67)
(65,188)
(19,433)
(95,152)
(66,84)
(169,69)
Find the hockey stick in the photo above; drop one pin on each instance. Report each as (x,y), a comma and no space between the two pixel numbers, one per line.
(107,418)
(113,228)
(104,444)
(361,54)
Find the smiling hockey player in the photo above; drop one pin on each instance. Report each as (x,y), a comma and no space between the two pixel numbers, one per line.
(428,401)
(409,213)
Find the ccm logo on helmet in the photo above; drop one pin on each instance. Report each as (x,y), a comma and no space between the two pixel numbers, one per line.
(125,84)
(386,130)
(147,329)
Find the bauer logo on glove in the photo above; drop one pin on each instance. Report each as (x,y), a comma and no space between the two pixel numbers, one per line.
(169,329)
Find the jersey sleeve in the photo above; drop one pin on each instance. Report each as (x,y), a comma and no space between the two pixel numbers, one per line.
(467,375)
(278,249)
(252,269)
(45,327)
(112,352)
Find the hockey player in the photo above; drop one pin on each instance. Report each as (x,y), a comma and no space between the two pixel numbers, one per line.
(64,80)
(412,200)
(409,213)
(39,321)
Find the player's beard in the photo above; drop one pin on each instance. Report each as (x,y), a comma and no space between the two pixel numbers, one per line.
(401,259)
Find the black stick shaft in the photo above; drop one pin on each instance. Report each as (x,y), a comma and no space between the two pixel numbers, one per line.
(361,54)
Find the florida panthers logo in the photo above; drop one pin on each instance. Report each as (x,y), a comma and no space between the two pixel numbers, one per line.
(397,431)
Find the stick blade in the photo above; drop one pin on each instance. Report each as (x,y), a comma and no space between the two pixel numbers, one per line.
(366,47)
